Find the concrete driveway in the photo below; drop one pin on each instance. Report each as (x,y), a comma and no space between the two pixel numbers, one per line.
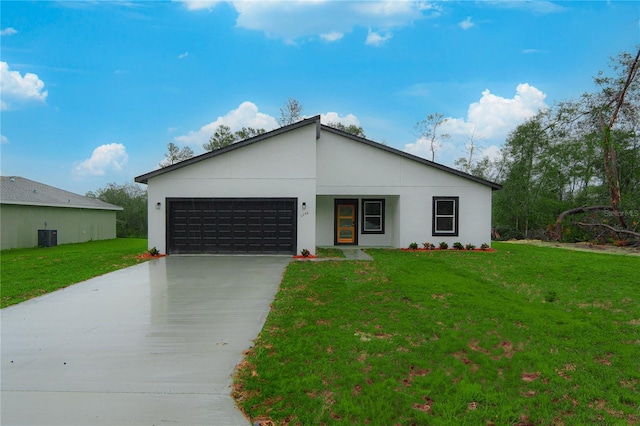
(154,344)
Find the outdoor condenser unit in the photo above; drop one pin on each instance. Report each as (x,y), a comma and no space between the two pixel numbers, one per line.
(47,237)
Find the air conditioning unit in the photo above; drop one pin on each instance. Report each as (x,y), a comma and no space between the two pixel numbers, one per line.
(47,237)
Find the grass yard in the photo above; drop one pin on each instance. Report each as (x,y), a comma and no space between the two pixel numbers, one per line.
(28,273)
(522,336)
(329,252)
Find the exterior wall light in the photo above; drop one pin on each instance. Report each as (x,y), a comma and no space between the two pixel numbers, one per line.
(304,205)
(158,204)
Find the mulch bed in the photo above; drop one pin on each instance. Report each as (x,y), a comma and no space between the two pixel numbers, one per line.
(488,250)
(300,257)
(149,256)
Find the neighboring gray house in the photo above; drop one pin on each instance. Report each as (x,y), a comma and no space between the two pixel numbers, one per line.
(307,185)
(27,206)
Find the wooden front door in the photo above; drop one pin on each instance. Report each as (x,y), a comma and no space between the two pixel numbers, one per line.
(346,215)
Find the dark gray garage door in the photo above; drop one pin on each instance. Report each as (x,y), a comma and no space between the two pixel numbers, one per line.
(231,225)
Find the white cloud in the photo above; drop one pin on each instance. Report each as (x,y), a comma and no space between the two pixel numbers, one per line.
(377,38)
(492,151)
(466,24)
(4,139)
(17,90)
(537,6)
(325,19)
(331,36)
(246,115)
(334,117)
(200,4)
(109,157)
(183,55)
(490,120)
(494,116)
(8,31)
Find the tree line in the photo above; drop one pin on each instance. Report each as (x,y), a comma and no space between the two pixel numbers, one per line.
(572,172)
(131,221)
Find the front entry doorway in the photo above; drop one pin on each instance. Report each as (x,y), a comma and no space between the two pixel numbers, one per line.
(346,222)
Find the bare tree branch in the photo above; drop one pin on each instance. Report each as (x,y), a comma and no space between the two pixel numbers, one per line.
(609,227)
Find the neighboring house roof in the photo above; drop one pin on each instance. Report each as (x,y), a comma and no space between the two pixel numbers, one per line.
(145,177)
(21,191)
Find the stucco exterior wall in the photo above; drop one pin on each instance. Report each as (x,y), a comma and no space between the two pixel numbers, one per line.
(19,224)
(346,167)
(283,166)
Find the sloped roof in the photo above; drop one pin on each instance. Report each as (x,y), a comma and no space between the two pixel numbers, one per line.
(21,191)
(313,120)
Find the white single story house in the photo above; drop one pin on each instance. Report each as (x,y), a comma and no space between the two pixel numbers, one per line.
(30,210)
(306,185)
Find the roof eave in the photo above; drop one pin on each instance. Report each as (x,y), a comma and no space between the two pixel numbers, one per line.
(66,206)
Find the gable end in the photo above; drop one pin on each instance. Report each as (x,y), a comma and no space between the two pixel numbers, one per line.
(492,185)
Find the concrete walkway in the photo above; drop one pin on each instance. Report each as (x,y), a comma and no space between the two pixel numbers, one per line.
(355,254)
(153,344)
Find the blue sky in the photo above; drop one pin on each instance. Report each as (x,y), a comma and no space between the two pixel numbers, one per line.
(92,91)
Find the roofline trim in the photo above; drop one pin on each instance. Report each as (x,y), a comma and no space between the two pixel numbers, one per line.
(64,206)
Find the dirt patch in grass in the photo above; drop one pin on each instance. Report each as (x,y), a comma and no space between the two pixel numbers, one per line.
(583,246)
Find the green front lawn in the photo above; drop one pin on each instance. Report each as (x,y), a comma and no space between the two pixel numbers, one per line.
(524,335)
(28,273)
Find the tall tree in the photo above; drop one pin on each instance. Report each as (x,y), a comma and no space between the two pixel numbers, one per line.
(224,137)
(351,128)
(175,154)
(466,164)
(429,129)
(614,91)
(611,118)
(518,204)
(248,132)
(131,222)
(221,137)
(290,113)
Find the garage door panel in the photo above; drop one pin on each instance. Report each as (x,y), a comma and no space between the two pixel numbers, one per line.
(231,225)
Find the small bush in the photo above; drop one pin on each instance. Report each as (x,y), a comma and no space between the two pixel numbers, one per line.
(428,246)
(443,245)
(153,251)
(305,253)
(413,246)
(484,246)
(469,246)
(458,245)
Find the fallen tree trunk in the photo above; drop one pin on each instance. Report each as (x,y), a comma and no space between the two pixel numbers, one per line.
(557,232)
(609,227)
